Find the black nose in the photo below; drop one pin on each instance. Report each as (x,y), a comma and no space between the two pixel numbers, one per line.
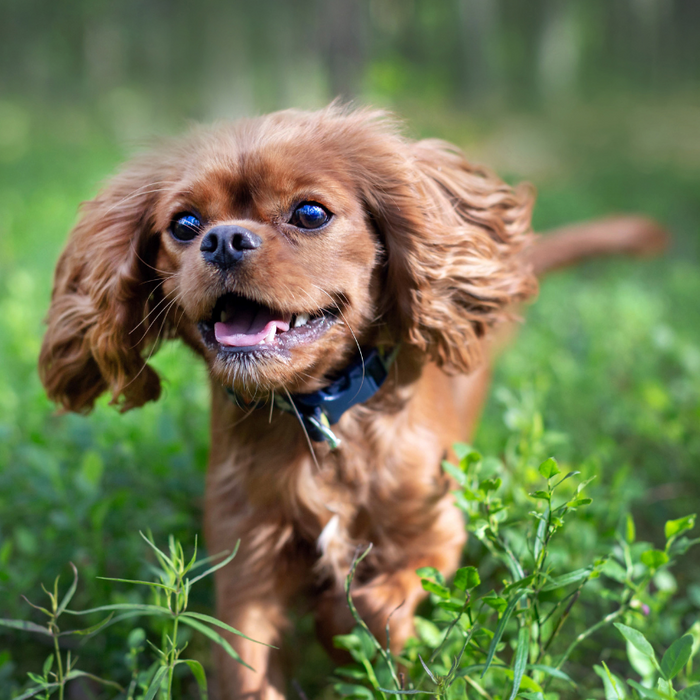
(224,246)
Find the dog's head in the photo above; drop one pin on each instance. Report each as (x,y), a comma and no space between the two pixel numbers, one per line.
(275,247)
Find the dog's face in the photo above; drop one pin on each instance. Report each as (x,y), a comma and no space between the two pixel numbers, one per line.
(269,258)
(275,248)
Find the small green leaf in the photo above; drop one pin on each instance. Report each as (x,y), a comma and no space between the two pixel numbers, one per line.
(217,623)
(567,579)
(136,638)
(630,530)
(349,690)
(47,665)
(613,686)
(492,484)
(578,502)
(218,566)
(134,607)
(199,675)
(215,637)
(427,670)
(649,692)
(431,572)
(35,691)
(435,588)
(496,602)
(82,674)
(614,570)
(136,582)
(520,662)
(520,583)
(654,558)
(676,657)
(467,578)
(549,468)
(540,535)
(499,631)
(675,527)
(163,559)
(457,474)
(352,644)
(568,476)
(427,631)
(156,683)
(25,625)
(554,672)
(461,449)
(541,494)
(354,671)
(70,593)
(692,692)
(636,638)
(89,630)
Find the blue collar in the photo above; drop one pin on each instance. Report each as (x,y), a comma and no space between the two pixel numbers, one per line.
(317,411)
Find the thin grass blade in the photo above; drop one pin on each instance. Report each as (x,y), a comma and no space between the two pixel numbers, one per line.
(156,683)
(138,583)
(70,592)
(162,557)
(218,566)
(97,679)
(215,637)
(25,625)
(35,691)
(499,631)
(89,630)
(521,653)
(223,625)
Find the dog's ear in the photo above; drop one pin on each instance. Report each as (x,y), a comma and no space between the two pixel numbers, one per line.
(452,234)
(103,289)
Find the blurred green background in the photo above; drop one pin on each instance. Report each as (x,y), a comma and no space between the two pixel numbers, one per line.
(597,102)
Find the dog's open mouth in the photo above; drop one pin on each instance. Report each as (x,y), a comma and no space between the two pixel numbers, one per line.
(239,324)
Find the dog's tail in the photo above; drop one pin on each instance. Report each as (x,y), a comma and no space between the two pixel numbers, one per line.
(616,235)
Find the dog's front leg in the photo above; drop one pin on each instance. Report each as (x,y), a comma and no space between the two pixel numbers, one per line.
(252,594)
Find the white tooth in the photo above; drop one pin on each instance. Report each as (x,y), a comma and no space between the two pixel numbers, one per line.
(271,335)
(224,316)
(302,320)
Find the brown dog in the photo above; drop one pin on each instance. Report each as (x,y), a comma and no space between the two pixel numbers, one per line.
(308,257)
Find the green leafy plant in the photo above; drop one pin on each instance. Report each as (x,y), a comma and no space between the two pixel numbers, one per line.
(171,592)
(54,680)
(511,639)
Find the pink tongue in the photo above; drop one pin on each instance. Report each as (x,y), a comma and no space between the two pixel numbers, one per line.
(250,326)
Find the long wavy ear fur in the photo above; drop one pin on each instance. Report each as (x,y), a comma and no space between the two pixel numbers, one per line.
(452,233)
(102,291)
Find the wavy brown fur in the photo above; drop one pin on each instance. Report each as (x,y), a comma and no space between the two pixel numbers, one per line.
(424,251)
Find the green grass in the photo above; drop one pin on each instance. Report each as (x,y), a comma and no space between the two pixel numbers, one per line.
(609,357)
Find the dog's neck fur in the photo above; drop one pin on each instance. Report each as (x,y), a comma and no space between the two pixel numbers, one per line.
(302,492)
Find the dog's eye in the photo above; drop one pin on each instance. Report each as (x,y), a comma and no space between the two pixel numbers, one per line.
(310,215)
(185,227)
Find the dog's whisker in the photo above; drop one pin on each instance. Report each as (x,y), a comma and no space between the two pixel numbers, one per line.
(163,312)
(152,350)
(146,317)
(303,427)
(138,193)
(352,332)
